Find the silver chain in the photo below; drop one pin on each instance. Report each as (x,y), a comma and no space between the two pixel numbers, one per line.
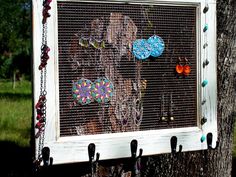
(43,92)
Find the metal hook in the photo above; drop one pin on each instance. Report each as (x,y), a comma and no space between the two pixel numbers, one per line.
(133,147)
(209,142)
(173,144)
(47,160)
(135,159)
(91,153)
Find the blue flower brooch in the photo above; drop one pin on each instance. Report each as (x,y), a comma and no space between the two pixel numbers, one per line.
(144,48)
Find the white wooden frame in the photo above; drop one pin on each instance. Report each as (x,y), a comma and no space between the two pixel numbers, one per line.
(117,145)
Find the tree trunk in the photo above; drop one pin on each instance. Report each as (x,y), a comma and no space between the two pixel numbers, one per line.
(211,163)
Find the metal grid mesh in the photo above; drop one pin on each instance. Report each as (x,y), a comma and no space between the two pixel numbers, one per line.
(143,91)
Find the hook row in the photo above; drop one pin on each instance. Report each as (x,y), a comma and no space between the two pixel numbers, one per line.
(135,159)
(174,140)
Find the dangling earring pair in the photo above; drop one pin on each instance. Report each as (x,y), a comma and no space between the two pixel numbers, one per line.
(183,69)
(85,42)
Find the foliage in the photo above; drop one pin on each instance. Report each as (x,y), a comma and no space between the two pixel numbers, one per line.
(14,35)
(5,66)
(15,112)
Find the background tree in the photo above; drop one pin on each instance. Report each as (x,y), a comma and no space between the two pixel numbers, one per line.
(14,37)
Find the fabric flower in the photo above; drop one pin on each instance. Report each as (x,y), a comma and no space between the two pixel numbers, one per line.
(81,91)
(157,45)
(102,90)
(141,49)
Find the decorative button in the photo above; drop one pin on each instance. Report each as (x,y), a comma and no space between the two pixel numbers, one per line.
(203,138)
(204,83)
(205,45)
(203,101)
(141,49)
(157,45)
(205,63)
(102,90)
(205,28)
(203,120)
(206,8)
(81,91)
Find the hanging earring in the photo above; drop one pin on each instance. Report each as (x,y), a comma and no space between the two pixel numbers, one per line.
(163,113)
(83,41)
(98,44)
(179,67)
(186,68)
(170,114)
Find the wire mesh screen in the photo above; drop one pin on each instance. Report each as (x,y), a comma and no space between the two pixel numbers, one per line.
(95,52)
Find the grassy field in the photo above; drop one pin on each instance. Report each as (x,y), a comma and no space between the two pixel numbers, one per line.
(15,112)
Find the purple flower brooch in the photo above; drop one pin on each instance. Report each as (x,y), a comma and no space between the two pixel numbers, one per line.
(102,90)
(82,91)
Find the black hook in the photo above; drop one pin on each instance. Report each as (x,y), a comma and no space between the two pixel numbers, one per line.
(209,142)
(133,147)
(47,160)
(91,153)
(135,159)
(173,144)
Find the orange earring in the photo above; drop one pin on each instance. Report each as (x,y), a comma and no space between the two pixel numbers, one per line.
(179,68)
(186,68)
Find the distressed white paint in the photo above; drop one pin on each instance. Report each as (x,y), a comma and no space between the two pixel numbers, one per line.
(117,145)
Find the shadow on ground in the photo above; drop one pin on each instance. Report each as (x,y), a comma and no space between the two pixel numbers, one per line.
(16,96)
(17,162)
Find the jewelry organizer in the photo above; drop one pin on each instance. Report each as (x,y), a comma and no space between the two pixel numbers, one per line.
(119,71)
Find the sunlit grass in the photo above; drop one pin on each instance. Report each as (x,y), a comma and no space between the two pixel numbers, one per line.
(21,87)
(15,112)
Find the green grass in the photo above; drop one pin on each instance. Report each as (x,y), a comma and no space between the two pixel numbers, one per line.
(15,112)
(21,87)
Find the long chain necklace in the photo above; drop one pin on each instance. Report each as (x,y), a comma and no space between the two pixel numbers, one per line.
(41,104)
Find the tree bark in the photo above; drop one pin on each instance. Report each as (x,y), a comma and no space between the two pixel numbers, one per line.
(211,163)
